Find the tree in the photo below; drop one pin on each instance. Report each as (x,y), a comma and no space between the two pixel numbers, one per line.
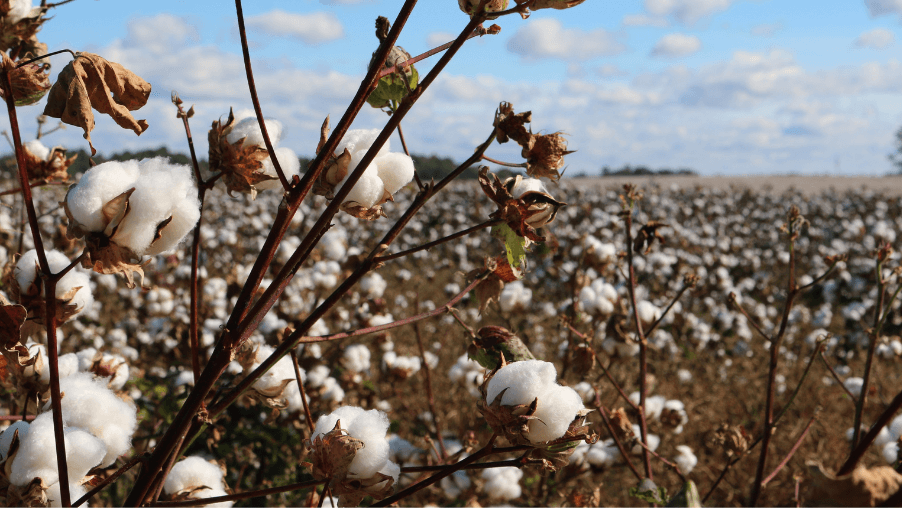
(896,157)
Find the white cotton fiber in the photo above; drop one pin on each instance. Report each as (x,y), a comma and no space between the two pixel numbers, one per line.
(6,437)
(360,140)
(686,460)
(373,285)
(357,358)
(502,482)
(37,453)
(26,267)
(163,190)
(603,453)
(193,472)
(83,299)
(368,190)
(277,374)
(37,149)
(288,161)
(18,10)
(67,365)
(558,406)
(249,129)
(97,187)
(528,185)
(524,380)
(91,405)
(891,452)
(76,491)
(395,170)
(367,426)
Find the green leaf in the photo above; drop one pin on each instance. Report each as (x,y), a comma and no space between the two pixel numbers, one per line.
(514,246)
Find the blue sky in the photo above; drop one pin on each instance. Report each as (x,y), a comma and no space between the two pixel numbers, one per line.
(721,86)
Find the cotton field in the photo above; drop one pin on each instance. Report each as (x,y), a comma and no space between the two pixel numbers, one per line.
(707,363)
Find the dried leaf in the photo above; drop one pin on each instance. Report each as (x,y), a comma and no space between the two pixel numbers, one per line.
(12,317)
(90,81)
(861,487)
(240,165)
(108,257)
(362,212)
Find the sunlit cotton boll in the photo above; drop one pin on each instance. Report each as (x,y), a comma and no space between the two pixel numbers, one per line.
(357,358)
(98,186)
(288,161)
(395,170)
(164,191)
(37,148)
(502,482)
(249,129)
(276,375)
(192,473)
(367,426)
(6,437)
(686,460)
(360,140)
(369,188)
(92,406)
(26,273)
(514,296)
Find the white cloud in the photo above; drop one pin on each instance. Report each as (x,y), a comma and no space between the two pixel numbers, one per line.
(767,29)
(883,7)
(676,45)
(547,38)
(878,38)
(686,11)
(435,39)
(313,28)
(645,20)
(610,70)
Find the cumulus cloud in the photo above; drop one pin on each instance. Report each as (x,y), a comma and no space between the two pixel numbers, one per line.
(676,45)
(878,38)
(686,11)
(547,38)
(883,7)
(438,38)
(313,28)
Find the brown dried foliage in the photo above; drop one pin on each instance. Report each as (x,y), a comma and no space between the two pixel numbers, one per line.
(240,165)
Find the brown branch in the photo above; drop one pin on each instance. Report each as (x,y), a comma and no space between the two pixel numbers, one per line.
(871,435)
(838,380)
(303,392)
(427,246)
(140,459)
(430,396)
(623,453)
(792,452)
(502,163)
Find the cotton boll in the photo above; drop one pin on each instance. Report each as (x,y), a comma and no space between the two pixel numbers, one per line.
(54,497)
(524,380)
(18,10)
(368,190)
(162,191)
(249,129)
(502,482)
(37,453)
(395,170)
(83,299)
(367,426)
(528,185)
(891,452)
(686,460)
(455,485)
(27,266)
(97,187)
(373,285)
(603,453)
(288,161)
(36,148)
(854,385)
(277,374)
(67,365)
(193,472)
(360,140)
(91,405)
(357,358)
(6,437)
(558,406)
(346,414)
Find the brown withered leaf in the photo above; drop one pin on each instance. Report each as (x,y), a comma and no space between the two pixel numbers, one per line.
(861,487)
(12,317)
(732,440)
(544,155)
(510,125)
(489,289)
(108,257)
(240,165)
(90,81)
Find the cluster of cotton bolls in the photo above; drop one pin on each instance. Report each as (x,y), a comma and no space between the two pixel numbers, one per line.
(110,368)
(671,413)
(98,429)
(162,203)
(386,174)
(502,483)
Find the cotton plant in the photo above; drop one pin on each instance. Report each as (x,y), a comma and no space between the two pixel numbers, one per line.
(382,178)
(73,290)
(132,209)
(196,478)
(349,449)
(238,150)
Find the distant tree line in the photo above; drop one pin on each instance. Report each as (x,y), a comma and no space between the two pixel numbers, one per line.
(627,170)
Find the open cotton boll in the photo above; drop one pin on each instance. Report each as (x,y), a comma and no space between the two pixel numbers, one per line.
(193,472)
(18,10)
(502,482)
(528,185)
(37,149)
(325,423)
(854,384)
(67,365)
(603,453)
(91,405)
(395,170)
(891,452)
(76,491)
(97,187)
(368,190)
(162,191)
(369,427)
(6,437)
(37,453)
(27,266)
(249,129)
(558,406)
(83,298)
(357,358)
(373,285)
(525,381)
(360,140)
(277,374)
(288,161)
(686,460)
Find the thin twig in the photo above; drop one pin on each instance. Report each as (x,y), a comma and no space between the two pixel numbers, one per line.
(839,381)
(427,246)
(303,392)
(430,396)
(792,452)
(52,53)
(623,453)
(507,164)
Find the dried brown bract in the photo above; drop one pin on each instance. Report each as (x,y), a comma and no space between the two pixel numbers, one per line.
(623,428)
(647,235)
(55,168)
(19,33)
(29,82)
(493,344)
(556,454)
(489,289)
(544,153)
(32,297)
(512,422)
(553,4)
(732,440)
(524,213)
(241,166)
(90,81)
